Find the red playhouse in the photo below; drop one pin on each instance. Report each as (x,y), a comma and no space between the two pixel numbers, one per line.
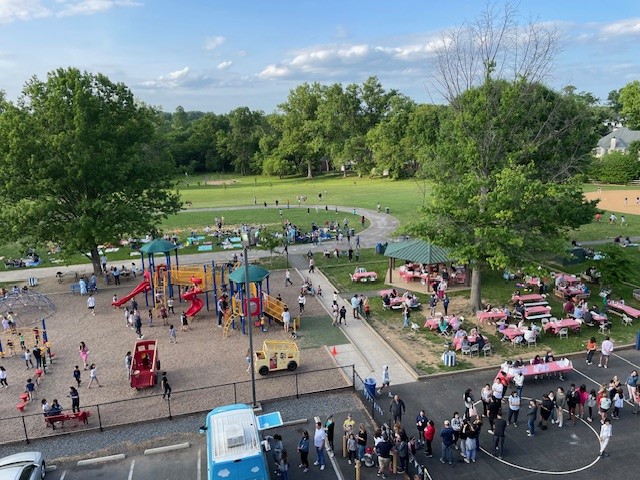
(145,364)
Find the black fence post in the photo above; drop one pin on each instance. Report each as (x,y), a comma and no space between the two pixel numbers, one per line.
(99,418)
(297,391)
(353,376)
(169,405)
(26,435)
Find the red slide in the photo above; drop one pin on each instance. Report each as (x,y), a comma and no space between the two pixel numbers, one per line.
(142,288)
(196,303)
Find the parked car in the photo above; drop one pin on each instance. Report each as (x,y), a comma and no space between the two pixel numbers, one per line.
(22,466)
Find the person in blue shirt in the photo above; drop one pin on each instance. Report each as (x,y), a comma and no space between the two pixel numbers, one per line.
(447,436)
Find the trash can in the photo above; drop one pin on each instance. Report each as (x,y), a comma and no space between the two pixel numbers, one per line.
(638,340)
(370,387)
(379,248)
(449,358)
(386,209)
(352,232)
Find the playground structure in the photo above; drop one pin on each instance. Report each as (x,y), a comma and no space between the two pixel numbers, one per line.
(161,281)
(277,355)
(262,305)
(145,364)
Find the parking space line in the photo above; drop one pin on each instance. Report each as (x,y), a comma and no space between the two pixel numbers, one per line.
(133,464)
(199,466)
(625,360)
(597,383)
(64,474)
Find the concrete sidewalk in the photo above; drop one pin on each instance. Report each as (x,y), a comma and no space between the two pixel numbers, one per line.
(368,351)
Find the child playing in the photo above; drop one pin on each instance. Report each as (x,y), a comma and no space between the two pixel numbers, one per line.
(30,388)
(114,299)
(352,446)
(150,321)
(618,403)
(93,376)
(170,305)
(172,334)
(126,316)
(163,315)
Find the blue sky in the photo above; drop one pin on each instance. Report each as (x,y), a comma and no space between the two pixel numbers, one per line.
(215,55)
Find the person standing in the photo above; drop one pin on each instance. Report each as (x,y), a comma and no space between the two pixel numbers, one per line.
(138,325)
(166,388)
(93,376)
(75,399)
(173,335)
(116,276)
(312,265)
(605,351)
(27,358)
(319,439)
(329,427)
(84,354)
(514,408)
(91,304)
(592,346)
(429,435)
(386,382)
(354,305)
(286,318)
(421,424)
(499,432)
(447,443)
(301,302)
(343,315)
(397,408)
(170,305)
(128,359)
(532,416)
(77,375)
(406,315)
(561,403)
(103,262)
(37,354)
(361,439)
(445,304)
(605,436)
(383,450)
(3,377)
(632,383)
(303,450)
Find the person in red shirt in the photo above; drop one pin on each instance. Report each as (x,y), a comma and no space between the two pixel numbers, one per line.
(429,434)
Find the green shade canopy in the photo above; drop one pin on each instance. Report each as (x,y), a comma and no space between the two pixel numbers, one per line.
(158,246)
(256,274)
(418,251)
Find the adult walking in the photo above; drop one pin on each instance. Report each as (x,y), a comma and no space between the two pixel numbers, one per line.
(312,265)
(397,408)
(386,382)
(606,349)
(287,278)
(532,416)
(75,399)
(319,439)
(499,433)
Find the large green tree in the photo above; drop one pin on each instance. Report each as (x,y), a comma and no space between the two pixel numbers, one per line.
(630,100)
(81,164)
(509,148)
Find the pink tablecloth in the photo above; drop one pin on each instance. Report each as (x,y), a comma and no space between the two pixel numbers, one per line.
(432,322)
(489,316)
(599,318)
(565,323)
(541,368)
(457,341)
(573,292)
(531,297)
(632,312)
(512,333)
(368,275)
(536,310)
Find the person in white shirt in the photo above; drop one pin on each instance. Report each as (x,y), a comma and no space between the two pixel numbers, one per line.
(518,380)
(286,319)
(319,439)
(605,436)
(605,351)
(497,389)
(91,304)
(514,408)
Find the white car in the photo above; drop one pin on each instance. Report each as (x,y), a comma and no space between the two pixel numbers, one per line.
(22,466)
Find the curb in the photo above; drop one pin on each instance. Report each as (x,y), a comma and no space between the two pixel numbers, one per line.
(93,461)
(167,448)
(295,422)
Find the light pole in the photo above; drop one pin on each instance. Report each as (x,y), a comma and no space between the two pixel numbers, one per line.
(247,289)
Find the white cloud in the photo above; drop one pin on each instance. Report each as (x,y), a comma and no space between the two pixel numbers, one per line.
(628,27)
(224,65)
(170,80)
(274,71)
(213,42)
(11,10)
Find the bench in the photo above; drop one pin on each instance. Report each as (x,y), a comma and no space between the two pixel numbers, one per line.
(74,288)
(81,417)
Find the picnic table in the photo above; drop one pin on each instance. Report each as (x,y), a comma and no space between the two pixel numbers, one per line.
(364,277)
(566,292)
(620,308)
(490,316)
(512,333)
(432,322)
(569,323)
(598,317)
(528,298)
(80,417)
(557,366)
(457,341)
(536,312)
(570,279)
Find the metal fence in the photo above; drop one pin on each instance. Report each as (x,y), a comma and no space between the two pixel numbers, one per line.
(203,399)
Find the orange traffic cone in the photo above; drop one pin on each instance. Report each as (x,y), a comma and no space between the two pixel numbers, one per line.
(334,352)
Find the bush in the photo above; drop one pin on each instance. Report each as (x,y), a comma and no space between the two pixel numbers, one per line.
(615,167)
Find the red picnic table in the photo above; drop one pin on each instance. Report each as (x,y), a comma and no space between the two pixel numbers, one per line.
(569,323)
(557,366)
(457,341)
(536,312)
(528,298)
(364,277)
(512,333)
(490,316)
(432,322)
(618,307)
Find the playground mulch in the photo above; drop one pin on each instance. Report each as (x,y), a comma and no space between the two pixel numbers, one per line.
(201,358)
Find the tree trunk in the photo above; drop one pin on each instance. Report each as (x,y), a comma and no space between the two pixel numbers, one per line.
(475,299)
(309,169)
(95,260)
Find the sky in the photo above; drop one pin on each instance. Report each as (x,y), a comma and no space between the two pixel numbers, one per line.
(217,55)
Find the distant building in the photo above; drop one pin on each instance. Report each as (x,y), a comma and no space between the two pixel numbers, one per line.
(618,140)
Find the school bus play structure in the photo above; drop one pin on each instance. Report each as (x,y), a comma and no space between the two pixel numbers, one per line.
(145,364)
(277,355)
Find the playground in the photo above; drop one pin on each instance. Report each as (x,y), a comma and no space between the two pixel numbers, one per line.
(202,356)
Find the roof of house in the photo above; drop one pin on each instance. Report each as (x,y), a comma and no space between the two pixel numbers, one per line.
(623,135)
(418,251)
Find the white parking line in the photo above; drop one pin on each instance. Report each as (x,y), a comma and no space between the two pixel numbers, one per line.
(625,360)
(64,474)
(199,465)
(133,464)
(598,383)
